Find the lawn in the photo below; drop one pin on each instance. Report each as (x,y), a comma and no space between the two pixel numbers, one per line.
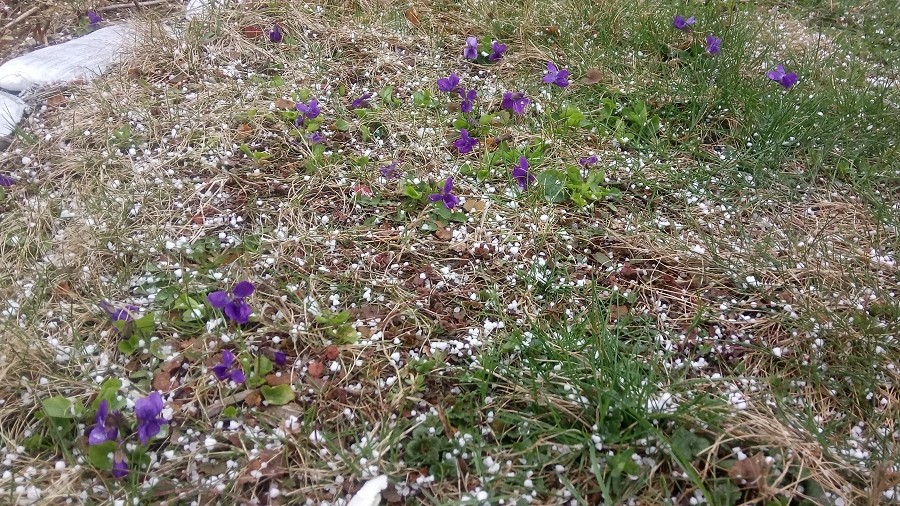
(567,252)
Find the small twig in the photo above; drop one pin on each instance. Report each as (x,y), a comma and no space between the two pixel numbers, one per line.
(135,4)
(21,17)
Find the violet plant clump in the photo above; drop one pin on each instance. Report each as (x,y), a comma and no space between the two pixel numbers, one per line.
(389,171)
(315,138)
(468,100)
(94,19)
(308,111)
(275,34)
(233,306)
(785,79)
(446,196)
(106,425)
(515,102)
(229,368)
(497,51)
(119,466)
(521,175)
(713,44)
(115,314)
(449,84)
(465,143)
(556,76)
(6,181)
(361,102)
(588,161)
(683,24)
(470,52)
(148,412)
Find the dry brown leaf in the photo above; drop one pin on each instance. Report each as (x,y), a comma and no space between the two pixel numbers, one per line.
(269,464)
(163,381)
(443,234)
(471,204)
(316,369)
(252,32)
(616,312)
(331,352)
(413,17)
(254,398)
(170,365)
(275,379)
(244,131)
(57,100)
(283,103)
(552,30)
(593,76)
(751,472)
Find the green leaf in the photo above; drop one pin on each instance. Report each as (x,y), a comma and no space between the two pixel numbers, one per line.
(58,407)
(128,346)
(144,326)
(726,494)
(460,123)
(280,395)
(101,456)
(342,125)
(230,412)
(410,191)
(553,183)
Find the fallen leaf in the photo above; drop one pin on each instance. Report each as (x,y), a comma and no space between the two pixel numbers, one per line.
(552,30)
(593,76)
(254,398)
(316,369)
(362,189)
(252,32)
(162,381)
(331,352)
(244,131)
(750,472)
(275,379)
(617,312)
(269,464)
(443,234)
(283,103)
(170,365)
(477,205)
(57,100)
(413,17)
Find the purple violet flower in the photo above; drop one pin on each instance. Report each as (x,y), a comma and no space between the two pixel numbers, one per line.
(786,79)
(468,100)
(465,143)
(361,102)
(447,197)
(497,51)
(280,358)
(308,111)
(117,314)
(275,34)
(588,161)
(521,175)
(234,306)
(389,171)
(713,44)
(6,181)
(556,76)
(105,428)
(471,50)
(94,19)
(228,369)
(515,102)
(315,138)
(119,467)
(683,24)
(449,84)
(148,412)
